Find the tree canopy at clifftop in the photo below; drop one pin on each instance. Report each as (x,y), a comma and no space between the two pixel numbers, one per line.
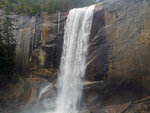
(36,7)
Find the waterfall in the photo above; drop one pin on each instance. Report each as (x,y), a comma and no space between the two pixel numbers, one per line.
(72,67)
(73,61)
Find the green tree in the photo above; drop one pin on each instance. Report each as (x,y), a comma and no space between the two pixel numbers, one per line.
(7,49)
(36,7)
(1,30)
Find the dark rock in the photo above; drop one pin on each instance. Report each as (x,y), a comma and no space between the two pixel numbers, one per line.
(113,95)
(140,106)
(119,52)
(119,45)
(39,41)
(98,50)
(14,98)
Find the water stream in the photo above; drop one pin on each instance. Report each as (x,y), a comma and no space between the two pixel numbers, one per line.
(72,67)
(73,61)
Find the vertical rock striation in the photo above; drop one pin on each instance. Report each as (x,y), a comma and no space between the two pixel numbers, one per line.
(119,44)
(39,44)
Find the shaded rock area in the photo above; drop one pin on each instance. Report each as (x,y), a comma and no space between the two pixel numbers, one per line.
(97,65)
(128,35)
(26,93)
(118,56)
(140,106)
(118,65)
(39,41)
(111,96)
(119,45)
(115,108)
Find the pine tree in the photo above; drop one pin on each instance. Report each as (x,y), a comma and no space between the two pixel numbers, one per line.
(7,48)
(1,30)
(3,53)
(8,29)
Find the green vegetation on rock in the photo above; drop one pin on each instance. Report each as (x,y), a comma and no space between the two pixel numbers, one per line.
(7,50)
(36,7)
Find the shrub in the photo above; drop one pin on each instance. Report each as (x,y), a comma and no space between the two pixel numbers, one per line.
(15,77)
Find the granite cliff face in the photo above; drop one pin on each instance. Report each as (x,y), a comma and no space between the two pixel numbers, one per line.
(119,54)
(119,45)
(118,66)
(39,41)
(120,48)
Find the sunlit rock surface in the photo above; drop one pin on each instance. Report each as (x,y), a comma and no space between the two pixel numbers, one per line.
(119,44)
(120,47)
(119,53)
(39,41)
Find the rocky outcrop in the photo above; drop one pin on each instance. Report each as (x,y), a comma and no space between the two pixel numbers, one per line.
(97,65)
(140,106)
(39,41)
(120,38)
(129,37)
(119,43)
(118,66)
(119,54)
(25,93)
(111,96)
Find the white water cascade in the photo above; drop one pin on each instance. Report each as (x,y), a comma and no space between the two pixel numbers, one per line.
(72,67)
(73,61)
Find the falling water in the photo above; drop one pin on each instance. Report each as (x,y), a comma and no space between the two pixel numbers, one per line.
(72,67)
(73,61)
